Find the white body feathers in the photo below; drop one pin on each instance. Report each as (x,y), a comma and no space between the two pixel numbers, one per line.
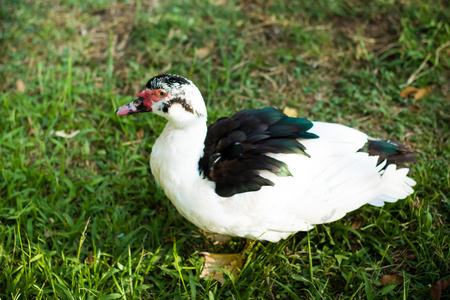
(335,180)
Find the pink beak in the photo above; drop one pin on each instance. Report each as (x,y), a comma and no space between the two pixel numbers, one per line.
(129,109)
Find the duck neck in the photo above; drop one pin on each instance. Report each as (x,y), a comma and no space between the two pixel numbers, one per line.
(176,152)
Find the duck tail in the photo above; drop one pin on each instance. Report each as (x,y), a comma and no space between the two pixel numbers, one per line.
(393,164)
(395,184)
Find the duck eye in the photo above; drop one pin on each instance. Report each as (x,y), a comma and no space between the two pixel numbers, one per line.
(137,102)
(162,93)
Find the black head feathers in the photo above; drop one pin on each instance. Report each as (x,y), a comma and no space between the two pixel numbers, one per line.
(170,80)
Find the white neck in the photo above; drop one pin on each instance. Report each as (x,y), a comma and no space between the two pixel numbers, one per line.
(174,164)
(176,153)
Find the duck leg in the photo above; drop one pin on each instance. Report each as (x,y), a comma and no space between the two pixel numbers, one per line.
(232,263)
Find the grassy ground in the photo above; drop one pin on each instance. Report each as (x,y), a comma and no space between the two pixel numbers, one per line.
(82,218)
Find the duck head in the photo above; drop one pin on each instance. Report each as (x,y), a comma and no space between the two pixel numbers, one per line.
(171,96)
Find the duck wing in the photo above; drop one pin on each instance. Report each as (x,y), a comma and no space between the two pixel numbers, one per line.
(236,149)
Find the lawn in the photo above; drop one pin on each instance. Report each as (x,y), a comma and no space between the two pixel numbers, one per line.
(81,216)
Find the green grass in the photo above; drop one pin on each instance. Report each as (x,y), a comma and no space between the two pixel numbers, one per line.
(82,218)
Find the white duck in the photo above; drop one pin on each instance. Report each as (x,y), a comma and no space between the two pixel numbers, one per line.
(260,174)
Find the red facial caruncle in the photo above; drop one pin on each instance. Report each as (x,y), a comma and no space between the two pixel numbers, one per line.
(152,96)
(147,95)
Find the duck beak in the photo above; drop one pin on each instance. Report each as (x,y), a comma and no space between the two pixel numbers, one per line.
(131,108)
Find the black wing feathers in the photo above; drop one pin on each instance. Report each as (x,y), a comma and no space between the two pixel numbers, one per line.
(236,148)
(392,152)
